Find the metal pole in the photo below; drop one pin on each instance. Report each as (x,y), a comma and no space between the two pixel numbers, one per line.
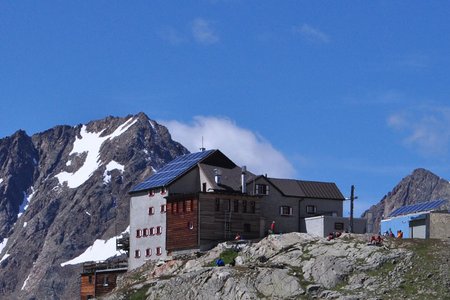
(352,198)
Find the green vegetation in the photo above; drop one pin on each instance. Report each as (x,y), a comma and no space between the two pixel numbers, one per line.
(227,256)
(139,294)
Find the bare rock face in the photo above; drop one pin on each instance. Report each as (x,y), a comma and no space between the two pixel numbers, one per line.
(62,189)
(421,186)
(298,266)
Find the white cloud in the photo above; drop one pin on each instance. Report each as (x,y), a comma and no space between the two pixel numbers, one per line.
(241,145)
(203,32)
(311,34)
(427,129)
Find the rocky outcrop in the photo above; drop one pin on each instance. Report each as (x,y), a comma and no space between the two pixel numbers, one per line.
(293,266)
(62,189)
(421,186)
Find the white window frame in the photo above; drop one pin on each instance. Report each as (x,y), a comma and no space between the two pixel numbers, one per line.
(290,210)
(311,211)
(259,190)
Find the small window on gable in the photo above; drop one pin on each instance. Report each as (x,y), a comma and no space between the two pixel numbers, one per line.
(137,253)
(163,208)
(286,210)
(311,209)
(151,211)
(163,191)
(158,250)
(151,193)
(261,189)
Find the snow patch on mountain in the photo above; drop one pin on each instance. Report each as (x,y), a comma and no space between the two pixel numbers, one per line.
(3,244)
(25,203)
(90,143)
(25,282)
(4,257)
(112,165)
(99,251)
(1,180)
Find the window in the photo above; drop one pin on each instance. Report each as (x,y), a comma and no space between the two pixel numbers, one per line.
(339,226)
(244,206)
(151,210)
(174,208)
(217,206)
(163,191)
(158,230)
(137,253)
(261,189)
(148,252)
(311,209)
(285,210)
(252,207)
(163,208)
(145,231)
(247,227)
(152,231)
(188,205)
(228,205)
(105,281)
(158,251)
(182,206)
(138,233)
(190,225)
(90,278)
(236,206)
(151,193)
(204,187)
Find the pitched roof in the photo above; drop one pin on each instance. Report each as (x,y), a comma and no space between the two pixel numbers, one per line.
(230,178)
(307,189)
(176,168)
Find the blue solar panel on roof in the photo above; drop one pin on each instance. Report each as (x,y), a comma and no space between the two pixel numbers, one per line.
(172,170)
(419,207)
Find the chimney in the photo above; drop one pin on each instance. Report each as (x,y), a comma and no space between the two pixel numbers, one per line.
(244,179)
(217,175)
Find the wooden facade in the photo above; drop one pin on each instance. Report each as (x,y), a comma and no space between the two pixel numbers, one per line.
(98,279)
(223,216)
(182,222)
(198,220)
(87,286)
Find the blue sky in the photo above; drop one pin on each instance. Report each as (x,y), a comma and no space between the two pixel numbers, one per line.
(350,92)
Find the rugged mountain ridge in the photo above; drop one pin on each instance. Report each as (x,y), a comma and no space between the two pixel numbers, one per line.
(420,186)
(62,189)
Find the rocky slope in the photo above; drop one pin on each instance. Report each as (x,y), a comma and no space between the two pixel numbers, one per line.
(299,266)
(62,189)
(421,186)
